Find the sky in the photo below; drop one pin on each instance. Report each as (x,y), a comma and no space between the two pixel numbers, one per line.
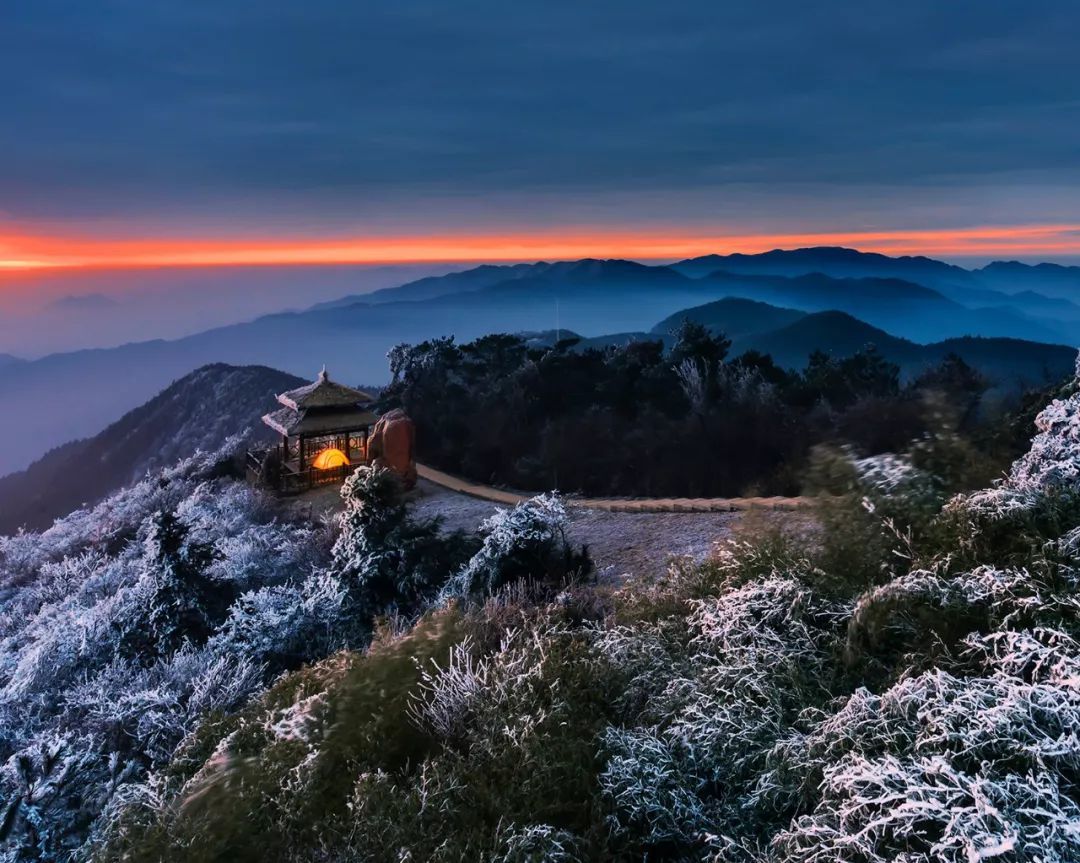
(165,133)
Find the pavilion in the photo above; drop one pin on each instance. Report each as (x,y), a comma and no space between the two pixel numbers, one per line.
(324,428)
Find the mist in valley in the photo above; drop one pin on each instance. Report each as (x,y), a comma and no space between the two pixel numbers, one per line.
(53,311)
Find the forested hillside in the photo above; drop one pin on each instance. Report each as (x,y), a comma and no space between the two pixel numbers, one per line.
(198,411)
(901,686)
(131,626)
(641,420)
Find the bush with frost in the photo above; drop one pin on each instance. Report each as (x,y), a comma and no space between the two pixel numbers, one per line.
(752,656)
(284,625)
(535,843)
(120,630)
(383,556)
(1038,498)
(942,767)
(525,542)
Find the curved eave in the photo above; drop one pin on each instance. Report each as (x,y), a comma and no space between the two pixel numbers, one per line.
(275,424)
(287,422)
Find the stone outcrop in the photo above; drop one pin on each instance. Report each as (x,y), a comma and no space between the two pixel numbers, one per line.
(392,445)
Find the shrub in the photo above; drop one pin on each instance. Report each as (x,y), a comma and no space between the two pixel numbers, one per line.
(384,557)
(526,542)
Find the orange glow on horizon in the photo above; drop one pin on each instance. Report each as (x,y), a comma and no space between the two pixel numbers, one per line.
(25,251)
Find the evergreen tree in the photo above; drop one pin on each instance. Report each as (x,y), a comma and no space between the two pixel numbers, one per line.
(186,604)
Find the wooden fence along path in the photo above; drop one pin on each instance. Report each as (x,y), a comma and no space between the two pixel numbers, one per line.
(651,504)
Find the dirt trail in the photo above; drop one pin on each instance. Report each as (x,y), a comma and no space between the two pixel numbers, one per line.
(629,505)
(621,541)
(638,543)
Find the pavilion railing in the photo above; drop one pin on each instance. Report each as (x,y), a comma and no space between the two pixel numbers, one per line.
(286,478)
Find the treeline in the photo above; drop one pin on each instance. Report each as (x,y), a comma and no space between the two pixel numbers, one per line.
(641,421)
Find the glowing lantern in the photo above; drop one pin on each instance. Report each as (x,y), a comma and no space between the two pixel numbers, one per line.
(330,458)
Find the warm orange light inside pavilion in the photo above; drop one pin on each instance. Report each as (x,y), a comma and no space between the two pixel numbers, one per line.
(330,458)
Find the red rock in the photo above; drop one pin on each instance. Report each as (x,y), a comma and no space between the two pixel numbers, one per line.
(392,445)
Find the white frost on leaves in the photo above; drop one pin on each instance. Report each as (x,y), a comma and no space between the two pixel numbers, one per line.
(443,700)
(298,721)
(89,706)
(1052,464)
(961,763)
(888,474)
(535,843)
(749,656)
(1054,458)
(508,533)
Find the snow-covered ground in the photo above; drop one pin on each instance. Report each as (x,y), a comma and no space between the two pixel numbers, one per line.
(620,542)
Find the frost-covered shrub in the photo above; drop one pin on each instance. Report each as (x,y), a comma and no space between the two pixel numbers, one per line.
(1040,496)
(925,609)
(939,768)
(383,556)
(526,542)
(535,843)
(754,655)
(970,751)
(870,511)
(887,475)
(110,649)
(926,810)
(653,789)
(447,694)
(284,625)
(1053,461)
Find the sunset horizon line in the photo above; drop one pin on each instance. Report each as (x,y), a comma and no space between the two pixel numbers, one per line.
(22,252)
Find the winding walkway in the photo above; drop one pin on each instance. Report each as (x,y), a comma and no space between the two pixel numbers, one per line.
(651,504)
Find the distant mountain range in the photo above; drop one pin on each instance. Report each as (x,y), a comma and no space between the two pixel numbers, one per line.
(1051,279)
(732,316)
(790,336)
(67,396)
(1007,362)
(199,411)
(830,260)
(1009,277)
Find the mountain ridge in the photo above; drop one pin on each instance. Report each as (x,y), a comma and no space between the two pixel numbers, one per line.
(63,397)
(197,411)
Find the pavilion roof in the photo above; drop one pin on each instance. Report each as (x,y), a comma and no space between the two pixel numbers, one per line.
(290,422)
(323,393)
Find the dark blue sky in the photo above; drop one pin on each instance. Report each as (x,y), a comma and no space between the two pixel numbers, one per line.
(266,115)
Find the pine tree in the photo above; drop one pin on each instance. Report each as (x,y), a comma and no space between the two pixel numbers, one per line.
(187,603)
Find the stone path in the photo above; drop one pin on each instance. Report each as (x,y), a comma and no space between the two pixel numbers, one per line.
(664,504)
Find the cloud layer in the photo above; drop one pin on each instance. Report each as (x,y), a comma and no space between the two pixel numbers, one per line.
(391,114)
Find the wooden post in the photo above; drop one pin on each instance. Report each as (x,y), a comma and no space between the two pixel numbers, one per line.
(301,464)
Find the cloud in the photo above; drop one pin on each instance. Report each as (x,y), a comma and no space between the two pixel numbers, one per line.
(146,107)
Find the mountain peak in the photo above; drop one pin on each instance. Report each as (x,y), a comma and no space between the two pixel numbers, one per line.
(837,261)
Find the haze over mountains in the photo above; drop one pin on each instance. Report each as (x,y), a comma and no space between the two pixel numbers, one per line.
(199,411)
(44,312)
(72,395)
